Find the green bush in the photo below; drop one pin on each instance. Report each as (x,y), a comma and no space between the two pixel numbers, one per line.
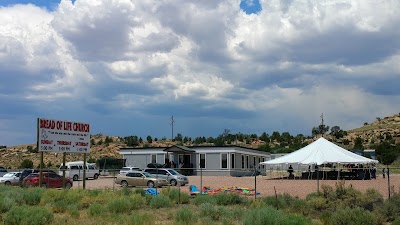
(200,199)
(121,205)
(140,191)
(137,201)
(28,215)
(141,219)
(185,216)
(356,216)
(176,195)
(160,201)
(269,215)
(32,196)
(59,206)
(96,209)
(6,204)
(229,199)
(396,221)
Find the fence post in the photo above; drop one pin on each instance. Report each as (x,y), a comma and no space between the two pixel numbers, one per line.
(255,182)
(388,177)
(317,170)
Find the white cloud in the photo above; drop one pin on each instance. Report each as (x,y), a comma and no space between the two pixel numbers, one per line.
(291,61)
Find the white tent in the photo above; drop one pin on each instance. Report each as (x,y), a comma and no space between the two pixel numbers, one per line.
(320,152)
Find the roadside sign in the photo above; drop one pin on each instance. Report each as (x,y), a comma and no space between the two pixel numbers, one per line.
(63,136)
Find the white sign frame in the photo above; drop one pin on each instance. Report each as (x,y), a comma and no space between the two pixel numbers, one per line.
(63,136)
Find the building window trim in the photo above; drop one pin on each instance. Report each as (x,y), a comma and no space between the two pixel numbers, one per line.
(221,161)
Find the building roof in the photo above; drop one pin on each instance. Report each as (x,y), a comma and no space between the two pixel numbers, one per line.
(179,149)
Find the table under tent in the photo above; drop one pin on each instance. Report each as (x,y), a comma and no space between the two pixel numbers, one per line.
(321,160)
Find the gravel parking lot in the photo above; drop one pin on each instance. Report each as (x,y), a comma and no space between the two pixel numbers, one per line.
(265,187)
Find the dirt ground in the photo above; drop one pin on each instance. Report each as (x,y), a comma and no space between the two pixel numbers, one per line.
(265,186)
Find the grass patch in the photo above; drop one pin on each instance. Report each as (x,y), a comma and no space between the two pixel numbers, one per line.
(37,215)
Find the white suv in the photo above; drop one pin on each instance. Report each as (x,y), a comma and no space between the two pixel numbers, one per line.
(127,169)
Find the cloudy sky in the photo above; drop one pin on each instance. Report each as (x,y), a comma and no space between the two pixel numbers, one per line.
(127,66)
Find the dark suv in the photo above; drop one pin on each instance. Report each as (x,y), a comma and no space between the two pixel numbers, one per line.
(26,172)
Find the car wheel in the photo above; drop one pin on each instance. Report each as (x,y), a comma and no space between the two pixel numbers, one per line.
(173,182)
(150,184)
(75,178)
(124,183)
(68,185)
(96,176)
(7,183)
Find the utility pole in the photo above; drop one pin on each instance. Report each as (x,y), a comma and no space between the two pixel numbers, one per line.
(172,126)
(322,124)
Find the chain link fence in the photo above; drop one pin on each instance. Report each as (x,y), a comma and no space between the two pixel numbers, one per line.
(386,180)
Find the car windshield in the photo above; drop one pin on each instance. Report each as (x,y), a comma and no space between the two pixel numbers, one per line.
(173,172)
(33,175)
(9,175)
(125,168)
(148,174)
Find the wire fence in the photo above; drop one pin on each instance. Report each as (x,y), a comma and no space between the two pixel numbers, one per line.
(385,180)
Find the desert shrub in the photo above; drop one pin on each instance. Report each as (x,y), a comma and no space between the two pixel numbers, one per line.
(59,206)
(141,219)
(285,201)
(271,216)
(73,211)
(318,203)
(390,209)
(176,195)
(120,205)
(140,191)
(185,216)
(348,216)
(200,199)
(396,221)
(68,196)
(126,191)
(95,209)
(28,215)
(32,196)
(370,199)
(137,201)
(209,210)
(229,199)
(6,204)
(160,201)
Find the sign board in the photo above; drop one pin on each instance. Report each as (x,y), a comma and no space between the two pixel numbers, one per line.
(63,136)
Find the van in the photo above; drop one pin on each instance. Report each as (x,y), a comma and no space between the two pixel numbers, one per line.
(173,177)
(74,170)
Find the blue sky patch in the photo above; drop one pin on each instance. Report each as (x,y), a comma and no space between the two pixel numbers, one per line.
(50,5)
(250,6)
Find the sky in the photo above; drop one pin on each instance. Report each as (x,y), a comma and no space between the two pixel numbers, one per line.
(127,66)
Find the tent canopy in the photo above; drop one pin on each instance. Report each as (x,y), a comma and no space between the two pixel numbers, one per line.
(320,152)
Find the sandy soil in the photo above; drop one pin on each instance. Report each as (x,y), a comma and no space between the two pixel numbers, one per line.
(265,186)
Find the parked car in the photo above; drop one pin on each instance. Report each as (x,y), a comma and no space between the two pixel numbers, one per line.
(172,176)
(3,171)
(49,180)
(127,169)
(10,178)
(140,178)
(155,165)
(75,169)
(26,172)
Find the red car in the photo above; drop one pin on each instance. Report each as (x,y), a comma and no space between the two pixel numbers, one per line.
(49,180)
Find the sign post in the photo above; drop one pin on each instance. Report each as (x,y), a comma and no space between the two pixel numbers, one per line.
(62,136)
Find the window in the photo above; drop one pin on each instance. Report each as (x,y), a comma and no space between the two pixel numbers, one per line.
(233,160)
(153,158)
(243,162)
(224,161)
(202,158)
(247,161)
(254,161)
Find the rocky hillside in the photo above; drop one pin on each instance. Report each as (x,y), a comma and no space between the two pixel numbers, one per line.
(370,133)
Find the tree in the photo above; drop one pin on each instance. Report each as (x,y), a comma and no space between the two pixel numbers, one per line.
(264,147)
(92,142)
(337,132)
(264,137)
(178,137)
(276,136)
(358,143)
(149,139)
(27,163)
(100,142)
(321,129)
